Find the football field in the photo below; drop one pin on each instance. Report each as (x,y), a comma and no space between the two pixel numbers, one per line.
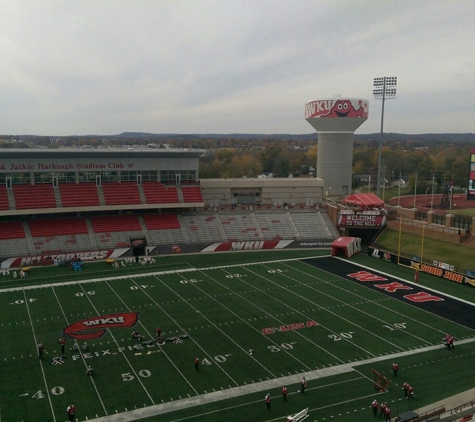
(254,327)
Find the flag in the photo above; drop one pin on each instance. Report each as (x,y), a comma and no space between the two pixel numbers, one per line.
(177,340)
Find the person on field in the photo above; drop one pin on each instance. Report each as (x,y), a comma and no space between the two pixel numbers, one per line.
(284,393)
(382,409)
(197,363)
(449,341)
(41,348)
(304,385)
(62,343)
(268,401)
(395,368)
(90,371)
(375,407)
(387,414)
(71,410)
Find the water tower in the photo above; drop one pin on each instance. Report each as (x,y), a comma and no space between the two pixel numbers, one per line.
(335,121)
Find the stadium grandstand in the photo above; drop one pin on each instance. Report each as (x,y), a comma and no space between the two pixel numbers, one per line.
(59,204)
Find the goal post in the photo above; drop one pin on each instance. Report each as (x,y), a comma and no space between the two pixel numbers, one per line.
(380,382)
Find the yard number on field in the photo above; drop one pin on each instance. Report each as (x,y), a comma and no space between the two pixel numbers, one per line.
(285,346)
(217,358)
(144,373)
(57,391)
(341,336)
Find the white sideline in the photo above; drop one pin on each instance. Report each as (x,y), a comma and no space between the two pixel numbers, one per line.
(257,387)
(148,274)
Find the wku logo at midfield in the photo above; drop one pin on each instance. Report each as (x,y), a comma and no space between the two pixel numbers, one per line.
(95,327)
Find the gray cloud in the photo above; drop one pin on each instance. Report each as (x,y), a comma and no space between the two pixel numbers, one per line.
(227,66)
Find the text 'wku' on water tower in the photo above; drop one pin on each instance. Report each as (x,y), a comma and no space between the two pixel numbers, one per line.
(335,120)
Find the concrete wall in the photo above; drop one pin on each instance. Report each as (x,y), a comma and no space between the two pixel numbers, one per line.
(274,192)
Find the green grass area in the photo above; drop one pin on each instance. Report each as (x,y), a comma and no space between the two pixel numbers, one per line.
(98,269)
(430,249)
(299,320)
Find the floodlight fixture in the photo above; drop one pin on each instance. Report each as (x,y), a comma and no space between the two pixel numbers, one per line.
(384,89)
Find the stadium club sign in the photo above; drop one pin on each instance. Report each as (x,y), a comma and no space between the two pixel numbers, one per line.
(361,220)
(65,166)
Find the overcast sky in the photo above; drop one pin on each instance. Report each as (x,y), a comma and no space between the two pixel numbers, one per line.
(240,66)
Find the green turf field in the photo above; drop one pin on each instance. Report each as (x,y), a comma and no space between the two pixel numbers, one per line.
(298,319)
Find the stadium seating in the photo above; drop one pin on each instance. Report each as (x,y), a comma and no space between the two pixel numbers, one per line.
(239,226)
(4,198)
(58,227)
(161,221)
(121,193)
(164,229)
(79,195)
(274,226)
(115,223)
(11,230)
(202,228)
(156,193)
(192,194)
(314,225)
(34,196)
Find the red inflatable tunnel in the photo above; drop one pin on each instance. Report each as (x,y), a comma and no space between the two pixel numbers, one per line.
(345,245)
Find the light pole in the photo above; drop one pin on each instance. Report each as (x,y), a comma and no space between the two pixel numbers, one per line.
(384,89)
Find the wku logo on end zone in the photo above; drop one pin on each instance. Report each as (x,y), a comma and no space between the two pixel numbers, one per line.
(95,327)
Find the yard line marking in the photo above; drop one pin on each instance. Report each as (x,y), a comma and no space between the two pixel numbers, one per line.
(265,385)
(41,364)
(148,332)
(117,344)
(301,313)
(356,309)
(211,322)
(82,357)
(389,309)
(144,274)
(327,310)
(247,323)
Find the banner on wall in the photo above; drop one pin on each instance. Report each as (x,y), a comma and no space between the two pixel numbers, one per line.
(91,256)
(425,268)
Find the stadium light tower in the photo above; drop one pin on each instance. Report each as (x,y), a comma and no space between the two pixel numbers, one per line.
(384,89)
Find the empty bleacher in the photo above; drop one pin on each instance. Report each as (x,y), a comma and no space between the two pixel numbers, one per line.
(124,193)
(79,195)
(311,225)
(58,227)
(3,198)
(115,231)
(202,228)
(164,229)
(274,226)
(157,193)
(191,193)
(11,230)
(59,235)
(12,239)
(115,223)
(161,221)
(239,226)
(34,196)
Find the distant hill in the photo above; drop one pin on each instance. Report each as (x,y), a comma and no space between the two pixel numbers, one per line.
(447,137)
